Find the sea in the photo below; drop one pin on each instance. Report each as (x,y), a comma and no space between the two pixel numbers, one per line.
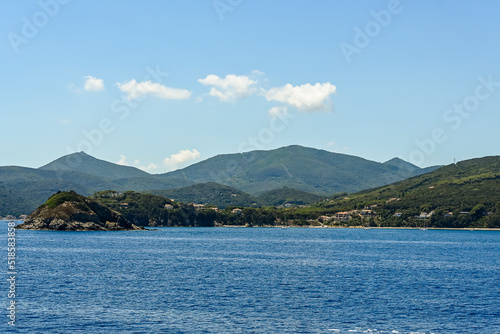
(252,280)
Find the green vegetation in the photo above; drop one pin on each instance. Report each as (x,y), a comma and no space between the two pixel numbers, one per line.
(152,210)
(27,188)
(255,172)
(462,195)
(61,197)
(32,187)
(209,193)
(287,195)
(10,203)
(87,164)
(459,195)
(69,211)
(315,171)
(223,196)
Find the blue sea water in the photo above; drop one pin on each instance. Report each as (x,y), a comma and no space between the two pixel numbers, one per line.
(255,280)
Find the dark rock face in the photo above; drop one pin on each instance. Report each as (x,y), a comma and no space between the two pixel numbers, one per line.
(69,211)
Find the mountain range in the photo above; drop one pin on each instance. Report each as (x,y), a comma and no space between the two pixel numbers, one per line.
(312,170)
(252,173)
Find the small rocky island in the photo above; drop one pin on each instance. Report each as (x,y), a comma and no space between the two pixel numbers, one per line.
(69,211)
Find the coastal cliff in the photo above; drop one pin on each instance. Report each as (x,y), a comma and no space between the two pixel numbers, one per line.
(69,211)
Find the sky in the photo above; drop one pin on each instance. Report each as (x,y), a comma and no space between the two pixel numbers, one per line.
(160,85)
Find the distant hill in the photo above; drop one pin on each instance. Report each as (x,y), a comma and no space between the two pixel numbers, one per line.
(209,193)
(84,163)
(469,190)
(402,165)
(31,187)
(221,196)
(10,203)
(307,169)
(287,195)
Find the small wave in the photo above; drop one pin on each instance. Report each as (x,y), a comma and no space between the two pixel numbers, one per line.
(374,331)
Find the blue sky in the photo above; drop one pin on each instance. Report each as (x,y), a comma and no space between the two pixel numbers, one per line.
(163,84)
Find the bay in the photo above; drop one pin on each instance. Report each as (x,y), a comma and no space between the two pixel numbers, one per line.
(255,280)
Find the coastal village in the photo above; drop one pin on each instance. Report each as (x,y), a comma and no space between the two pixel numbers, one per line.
(338,219)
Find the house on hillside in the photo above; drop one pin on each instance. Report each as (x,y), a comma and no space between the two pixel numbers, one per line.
(237,211)
(367,213)
(342,216)
(425,215)
(168,206)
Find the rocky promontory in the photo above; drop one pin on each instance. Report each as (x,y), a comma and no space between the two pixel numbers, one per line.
(69,211)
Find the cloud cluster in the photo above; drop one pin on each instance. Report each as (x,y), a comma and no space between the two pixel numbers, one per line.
(93,84)
(135,90)
(122,161)
(148,168)
(306,97)
(178,159)
(174,161)
(229,88)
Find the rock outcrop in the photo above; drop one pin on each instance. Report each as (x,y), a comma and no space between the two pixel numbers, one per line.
(69,211)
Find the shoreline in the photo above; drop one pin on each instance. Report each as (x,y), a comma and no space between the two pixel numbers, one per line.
(353,227)
(330,227)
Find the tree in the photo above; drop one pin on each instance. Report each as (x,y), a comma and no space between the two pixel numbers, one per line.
(478,211)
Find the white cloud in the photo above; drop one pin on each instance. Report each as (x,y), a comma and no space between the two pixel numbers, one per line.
(149,167)
(229,88)
(257,73)
(136,90)
(93,84)
(278,111)
(177,159)
(122,161)
(305,97)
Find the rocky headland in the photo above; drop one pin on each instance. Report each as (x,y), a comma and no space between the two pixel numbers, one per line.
(69,211)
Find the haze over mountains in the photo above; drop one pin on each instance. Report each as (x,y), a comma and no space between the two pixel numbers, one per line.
(257,172)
